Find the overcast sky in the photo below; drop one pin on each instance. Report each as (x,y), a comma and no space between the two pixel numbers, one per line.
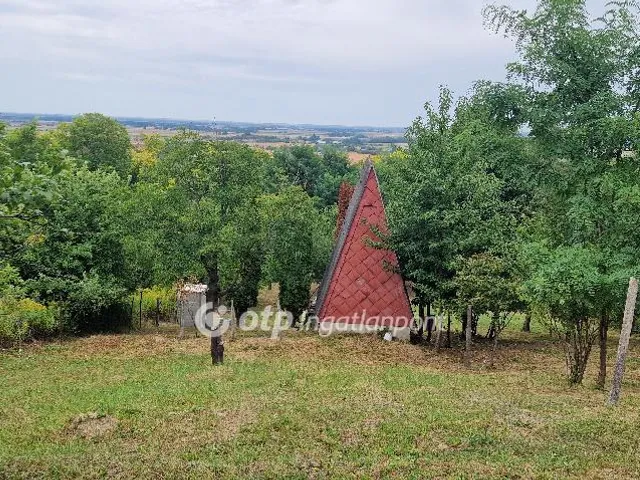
(350,62)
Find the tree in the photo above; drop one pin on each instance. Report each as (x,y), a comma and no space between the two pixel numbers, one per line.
(487,283)
(100,141)
(320,175)
(195,213)
(145,156)
(29,163)
(581,79)
(58,230)
(298,240)
(566,284)
(447,196)
(76,257)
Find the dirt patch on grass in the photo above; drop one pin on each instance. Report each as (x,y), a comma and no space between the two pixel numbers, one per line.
(199,428)
(90,426)
(520,422)
(231,421)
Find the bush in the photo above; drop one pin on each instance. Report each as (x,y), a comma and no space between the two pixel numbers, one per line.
(10,281)
(24,319)
(95,304)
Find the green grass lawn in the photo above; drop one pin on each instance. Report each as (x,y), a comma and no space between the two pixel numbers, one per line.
(152,406)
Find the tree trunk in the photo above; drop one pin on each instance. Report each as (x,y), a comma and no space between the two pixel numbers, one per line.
(448,344)
(625,333)
(494,349)
(491,333)
(217,350)
(213,298)
(579,339)
(415,337)
(467,350)
(526,325)
(213,292)
(603,333)
(474,324)
(439,316)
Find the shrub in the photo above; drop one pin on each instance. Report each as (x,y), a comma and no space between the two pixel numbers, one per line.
(10,281)
(23,319)
(95,304)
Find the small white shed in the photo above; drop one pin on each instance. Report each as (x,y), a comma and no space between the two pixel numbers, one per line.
(191,297)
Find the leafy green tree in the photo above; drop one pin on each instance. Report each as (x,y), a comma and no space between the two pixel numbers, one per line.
(488,283)
(447,196)
(320,175)
(581,79)
(30,164)
(298,239)
(195,213)
(76,257)
(100,141)
(27,145)
(57,228)
(301,165)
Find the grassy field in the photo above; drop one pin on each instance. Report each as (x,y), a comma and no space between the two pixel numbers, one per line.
(150,405)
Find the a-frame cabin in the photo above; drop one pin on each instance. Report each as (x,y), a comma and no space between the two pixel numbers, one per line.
(362,286)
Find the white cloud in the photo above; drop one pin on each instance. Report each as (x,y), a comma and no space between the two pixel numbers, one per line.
(358,34)
(260,53)
(81,77)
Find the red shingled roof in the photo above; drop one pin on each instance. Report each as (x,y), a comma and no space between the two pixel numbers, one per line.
(360,278)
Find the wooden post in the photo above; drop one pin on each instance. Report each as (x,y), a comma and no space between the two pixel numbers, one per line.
(467,350)
(140,309)
(602,337)
(428,319)
(421,322)
(439,316)
(233,324)
(625,333)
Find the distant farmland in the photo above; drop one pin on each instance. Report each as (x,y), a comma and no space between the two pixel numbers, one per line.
(359,142)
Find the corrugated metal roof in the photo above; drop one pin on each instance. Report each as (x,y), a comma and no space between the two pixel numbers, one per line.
(194,288)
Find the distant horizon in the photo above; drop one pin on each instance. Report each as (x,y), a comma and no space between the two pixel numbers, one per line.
(39,115)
